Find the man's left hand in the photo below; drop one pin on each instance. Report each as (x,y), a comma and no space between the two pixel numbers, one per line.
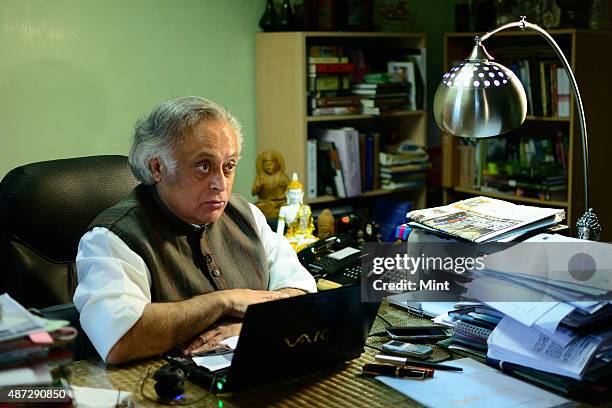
(212,338)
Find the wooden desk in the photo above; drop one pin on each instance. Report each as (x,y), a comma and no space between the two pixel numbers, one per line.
(341,386)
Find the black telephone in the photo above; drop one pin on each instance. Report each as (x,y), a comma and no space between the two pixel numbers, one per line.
(336,259)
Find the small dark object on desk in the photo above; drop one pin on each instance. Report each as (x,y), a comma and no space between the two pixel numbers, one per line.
(401,361)
(395,371)
(170,380)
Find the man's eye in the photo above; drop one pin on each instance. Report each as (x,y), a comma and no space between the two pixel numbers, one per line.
(204,167)
(230,167)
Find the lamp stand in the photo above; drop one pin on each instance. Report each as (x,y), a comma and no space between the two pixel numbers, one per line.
(588,225)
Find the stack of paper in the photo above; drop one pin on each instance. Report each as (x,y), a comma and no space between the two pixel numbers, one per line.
(30,347)
(554,293)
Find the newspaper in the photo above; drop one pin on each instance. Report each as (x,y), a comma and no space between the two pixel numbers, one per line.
(484,219)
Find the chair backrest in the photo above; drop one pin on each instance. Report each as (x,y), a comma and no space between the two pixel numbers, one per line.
(45,208)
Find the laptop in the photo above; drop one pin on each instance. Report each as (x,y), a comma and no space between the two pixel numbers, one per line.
(293,335)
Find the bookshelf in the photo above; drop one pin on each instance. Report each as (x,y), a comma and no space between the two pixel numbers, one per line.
(583,49)
(283,119)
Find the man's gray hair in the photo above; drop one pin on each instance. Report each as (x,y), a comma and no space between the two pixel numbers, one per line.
(157,135)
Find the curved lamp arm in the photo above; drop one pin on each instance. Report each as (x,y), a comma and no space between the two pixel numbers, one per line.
(523,24)
(588,225)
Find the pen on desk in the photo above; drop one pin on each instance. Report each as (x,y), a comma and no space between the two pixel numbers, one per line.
(401,361)
(395,371)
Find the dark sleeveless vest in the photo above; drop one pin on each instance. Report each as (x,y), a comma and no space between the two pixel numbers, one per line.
(184,260)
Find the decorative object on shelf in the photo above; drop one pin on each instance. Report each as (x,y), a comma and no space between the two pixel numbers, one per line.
(478,82)
(485,13)
(462,15)
(296,216)
(506,11)
(270,183)
(392,15)
(286,18)
(326,224)
(574,13)
(355,15)
(267,22)
(600,15)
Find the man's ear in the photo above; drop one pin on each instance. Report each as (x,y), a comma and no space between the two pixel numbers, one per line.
(157,169)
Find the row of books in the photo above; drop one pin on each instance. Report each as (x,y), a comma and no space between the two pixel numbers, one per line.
(547,86)
(345,163)
(403,165)
(527,166)
(338,85)
(546,82)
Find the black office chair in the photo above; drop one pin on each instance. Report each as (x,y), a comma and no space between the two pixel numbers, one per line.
(45,208)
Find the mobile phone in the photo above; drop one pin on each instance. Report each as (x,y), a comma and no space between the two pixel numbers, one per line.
(407,349)
(417,333)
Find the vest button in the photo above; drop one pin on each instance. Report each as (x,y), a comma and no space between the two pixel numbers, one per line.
(216,272)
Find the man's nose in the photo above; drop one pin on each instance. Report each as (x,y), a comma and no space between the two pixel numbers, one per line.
(218,181)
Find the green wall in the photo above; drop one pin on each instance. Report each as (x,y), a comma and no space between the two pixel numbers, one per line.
(76,74)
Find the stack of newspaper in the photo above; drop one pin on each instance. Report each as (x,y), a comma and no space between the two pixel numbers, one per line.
(484,219)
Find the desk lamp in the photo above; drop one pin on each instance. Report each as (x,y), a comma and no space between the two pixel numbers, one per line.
(480,98)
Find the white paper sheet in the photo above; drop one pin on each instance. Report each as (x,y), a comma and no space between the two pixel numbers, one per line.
(478,386)
(218,362)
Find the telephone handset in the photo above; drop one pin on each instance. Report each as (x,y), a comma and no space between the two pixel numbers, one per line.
(336,259)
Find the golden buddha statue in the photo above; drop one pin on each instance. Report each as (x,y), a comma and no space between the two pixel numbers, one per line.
(296,216)
(270,183)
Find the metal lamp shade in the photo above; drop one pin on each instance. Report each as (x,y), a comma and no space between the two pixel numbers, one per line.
(479,98)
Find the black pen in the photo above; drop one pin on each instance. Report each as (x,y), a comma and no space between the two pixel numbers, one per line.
(401,361)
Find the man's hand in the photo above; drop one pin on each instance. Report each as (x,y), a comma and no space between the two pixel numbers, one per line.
(211,338)
(239,299)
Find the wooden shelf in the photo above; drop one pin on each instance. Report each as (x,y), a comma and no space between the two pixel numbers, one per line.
(510,197)
(367,194)
(548,118)
(333,118)
(283,123)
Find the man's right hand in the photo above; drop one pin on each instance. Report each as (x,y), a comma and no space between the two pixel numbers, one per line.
(239,299)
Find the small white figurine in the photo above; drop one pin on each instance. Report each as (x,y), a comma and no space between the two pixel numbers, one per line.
(296,216)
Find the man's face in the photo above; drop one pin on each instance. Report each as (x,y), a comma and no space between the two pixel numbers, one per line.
(198,190)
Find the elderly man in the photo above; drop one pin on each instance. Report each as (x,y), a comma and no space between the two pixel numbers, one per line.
(179,260)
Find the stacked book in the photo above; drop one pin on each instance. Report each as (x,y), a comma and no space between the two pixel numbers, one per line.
(31,348)
(403,166)
(329,77)
(379,94)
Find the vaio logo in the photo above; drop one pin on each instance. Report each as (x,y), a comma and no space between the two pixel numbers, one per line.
(319,335)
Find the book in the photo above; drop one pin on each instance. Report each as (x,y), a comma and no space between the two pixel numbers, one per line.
(326,170)
(311,168)
(336,110)
(330,68)
(563,93)
(484,219)
(346,141)
(328,60)
(328,82)
(473,331)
